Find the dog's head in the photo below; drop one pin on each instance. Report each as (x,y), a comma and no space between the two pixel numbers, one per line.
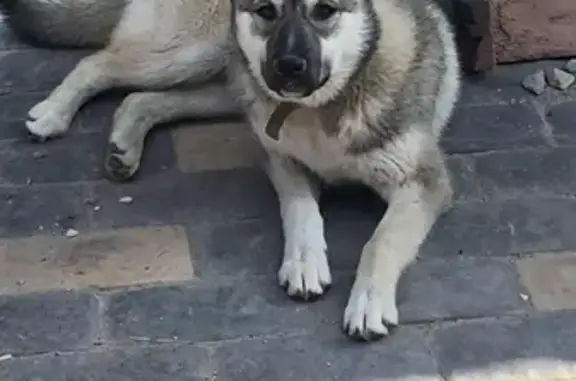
(304,51)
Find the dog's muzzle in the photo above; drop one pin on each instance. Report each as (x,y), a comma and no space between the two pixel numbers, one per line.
(293,67)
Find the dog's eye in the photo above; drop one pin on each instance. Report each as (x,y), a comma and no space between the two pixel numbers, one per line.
(267,12)
(323,12)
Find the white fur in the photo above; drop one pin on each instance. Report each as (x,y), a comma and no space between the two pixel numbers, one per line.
(342,50)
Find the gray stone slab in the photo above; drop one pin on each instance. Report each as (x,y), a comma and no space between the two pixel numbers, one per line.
(459,288)
(495,127)
(403,356)
(45,322)
(205,312)
(73,158)
(538,348)
(535,172)
(42,210)
(35,69)
(502,227)
(143,364)
(195,199)
(561,117)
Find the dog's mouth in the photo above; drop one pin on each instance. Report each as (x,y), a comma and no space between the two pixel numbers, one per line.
(293,91)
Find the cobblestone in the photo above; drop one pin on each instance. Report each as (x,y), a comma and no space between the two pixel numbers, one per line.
(550,279)
(541,348)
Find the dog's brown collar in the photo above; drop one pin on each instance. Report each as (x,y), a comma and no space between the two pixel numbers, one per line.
(278,118)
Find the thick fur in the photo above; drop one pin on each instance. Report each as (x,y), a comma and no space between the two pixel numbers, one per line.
(394,81)
(392,84)
(65,23)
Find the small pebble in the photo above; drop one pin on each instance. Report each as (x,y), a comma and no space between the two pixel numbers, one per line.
(571,66)
(524,297)
(90,202)
(71,233)
(535,83)
(38,155)
(97,208)
(559,79)
(126,200)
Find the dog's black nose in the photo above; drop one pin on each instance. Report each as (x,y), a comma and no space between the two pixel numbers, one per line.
(290,66)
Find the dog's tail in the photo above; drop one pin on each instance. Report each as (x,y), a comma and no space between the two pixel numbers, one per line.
(64,23)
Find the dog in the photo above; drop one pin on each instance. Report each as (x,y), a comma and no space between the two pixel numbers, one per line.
(335,91)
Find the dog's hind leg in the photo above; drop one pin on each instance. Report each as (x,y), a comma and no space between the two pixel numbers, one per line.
(414,204)
(304,272)
(116,67)
(140,112)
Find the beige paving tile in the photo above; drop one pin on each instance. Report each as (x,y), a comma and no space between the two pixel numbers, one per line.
(112,258)
(219,146)
(550,279)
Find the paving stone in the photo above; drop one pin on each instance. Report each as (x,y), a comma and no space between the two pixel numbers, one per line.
(104,259)
(495,228)
(470,228)
(550,279)
(241,249)
(36,69)
(25,162)
(45,322)
(459,288)
(562,117)
(541,224)
(182,363)
(220,310)
(42,210)
(328,356)
(496,127)
(197,199)
(539,172)
(78,158)
(216,146)
(541,348)
(501,85)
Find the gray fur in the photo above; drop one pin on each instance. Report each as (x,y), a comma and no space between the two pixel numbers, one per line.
(377,121)
(65,23)
(392,85)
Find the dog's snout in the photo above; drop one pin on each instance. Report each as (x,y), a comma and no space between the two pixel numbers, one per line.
(290,66)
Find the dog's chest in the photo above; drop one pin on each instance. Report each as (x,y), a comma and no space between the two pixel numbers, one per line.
(304,137)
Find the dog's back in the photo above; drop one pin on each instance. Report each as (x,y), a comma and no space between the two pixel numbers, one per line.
(95,23)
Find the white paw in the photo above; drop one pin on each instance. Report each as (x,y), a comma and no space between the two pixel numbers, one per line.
(370,310)
(305,272)
(46,120)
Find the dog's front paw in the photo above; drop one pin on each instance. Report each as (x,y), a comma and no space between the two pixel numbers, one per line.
(371,311)
(122,164)
(45,121)
(305,273)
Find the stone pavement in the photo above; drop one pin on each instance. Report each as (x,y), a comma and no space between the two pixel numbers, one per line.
(179,283)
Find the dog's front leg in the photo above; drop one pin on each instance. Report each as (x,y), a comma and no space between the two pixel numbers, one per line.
(414,206)
(304,272)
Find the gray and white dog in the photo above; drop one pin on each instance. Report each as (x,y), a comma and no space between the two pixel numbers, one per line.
(365,87)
